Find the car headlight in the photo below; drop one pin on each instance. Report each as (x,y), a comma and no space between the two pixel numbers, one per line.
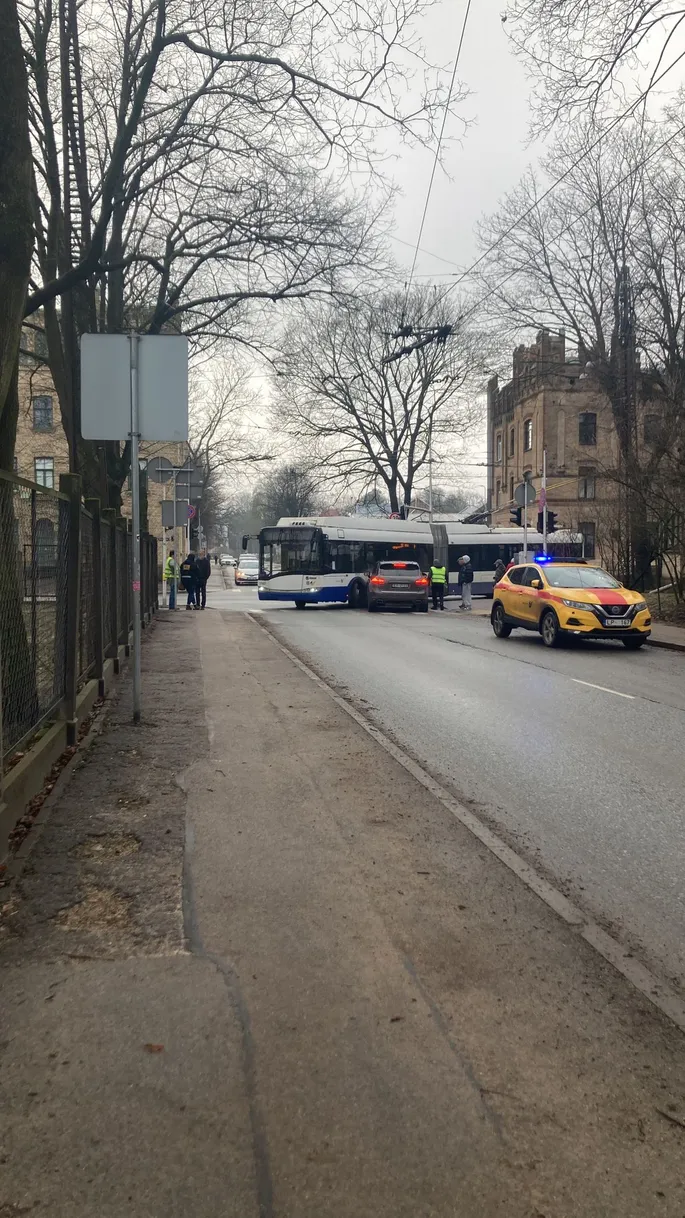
(639,606)
(576,604)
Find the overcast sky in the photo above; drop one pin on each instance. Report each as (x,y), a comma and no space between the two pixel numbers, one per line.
(479,167)
(492,155)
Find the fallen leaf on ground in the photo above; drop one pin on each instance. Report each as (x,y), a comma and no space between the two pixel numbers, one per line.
(154,1048)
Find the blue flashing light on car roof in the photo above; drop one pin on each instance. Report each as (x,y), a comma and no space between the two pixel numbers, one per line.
(543,558)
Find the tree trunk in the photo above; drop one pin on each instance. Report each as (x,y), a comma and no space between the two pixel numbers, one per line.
(16,222)
(19,696)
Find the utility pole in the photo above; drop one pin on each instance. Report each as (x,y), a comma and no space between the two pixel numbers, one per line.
(543,500)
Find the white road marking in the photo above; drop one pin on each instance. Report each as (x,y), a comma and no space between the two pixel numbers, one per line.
(604,689)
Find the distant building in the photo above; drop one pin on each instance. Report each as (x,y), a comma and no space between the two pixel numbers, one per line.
(552,402)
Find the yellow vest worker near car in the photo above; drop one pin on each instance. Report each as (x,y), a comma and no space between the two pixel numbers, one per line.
(170,577)
(438,582)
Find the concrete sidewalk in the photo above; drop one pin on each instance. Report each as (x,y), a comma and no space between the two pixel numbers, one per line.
(254,968)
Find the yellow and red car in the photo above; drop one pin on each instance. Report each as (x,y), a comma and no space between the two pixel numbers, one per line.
(561,598)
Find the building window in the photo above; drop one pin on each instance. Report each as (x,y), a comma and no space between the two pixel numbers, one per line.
(15,464)
(44,471)
(587,428)
(498,487)
(587,528)
(42,414)
(498,449)
(586,483)
(511,487)
(527,435)
(652,428)
(512,441)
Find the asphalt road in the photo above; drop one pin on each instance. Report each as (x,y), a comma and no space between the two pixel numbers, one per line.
(587,782)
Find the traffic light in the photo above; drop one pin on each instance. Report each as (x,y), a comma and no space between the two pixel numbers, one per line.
(516,515)
(551,522)
(541,522)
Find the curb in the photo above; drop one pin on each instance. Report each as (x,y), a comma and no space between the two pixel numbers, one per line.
(666,646)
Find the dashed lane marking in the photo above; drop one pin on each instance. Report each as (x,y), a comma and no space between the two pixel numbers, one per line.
(617,692)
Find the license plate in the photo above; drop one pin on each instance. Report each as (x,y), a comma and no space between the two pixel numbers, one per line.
(612,621)
(398,587)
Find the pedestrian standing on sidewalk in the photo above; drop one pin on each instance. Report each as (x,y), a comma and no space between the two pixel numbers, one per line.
(204,570)
(189,579)
(465,581)
(438,576)
(170,578)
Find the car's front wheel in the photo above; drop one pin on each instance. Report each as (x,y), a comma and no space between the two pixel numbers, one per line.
(300,604)
(499,623)
(549,629)
(633,644)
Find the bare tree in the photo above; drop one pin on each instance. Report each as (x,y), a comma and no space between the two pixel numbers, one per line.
(367,420)
(583,53)
(290,490)
(190,160)
(603,256)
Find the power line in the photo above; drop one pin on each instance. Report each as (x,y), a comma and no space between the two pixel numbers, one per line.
(566,228)
(439,144)
(562,178)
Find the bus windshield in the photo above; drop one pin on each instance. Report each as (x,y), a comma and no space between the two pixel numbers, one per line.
(289,551)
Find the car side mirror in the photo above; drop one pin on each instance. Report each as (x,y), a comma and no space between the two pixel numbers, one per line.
(245,540)
(536,583)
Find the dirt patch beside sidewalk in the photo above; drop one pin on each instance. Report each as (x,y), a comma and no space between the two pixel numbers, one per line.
(104,878)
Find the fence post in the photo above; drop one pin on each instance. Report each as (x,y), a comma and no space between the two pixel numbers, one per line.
(111,631)
(122,525)
(93,506)
(70,485)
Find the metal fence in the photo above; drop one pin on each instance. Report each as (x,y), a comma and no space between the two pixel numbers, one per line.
(65,599)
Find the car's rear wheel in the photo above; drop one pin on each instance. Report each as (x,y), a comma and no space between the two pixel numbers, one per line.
(424,608)
(371,606)
(300,604)
(549,629)
(633,644)
(499,623)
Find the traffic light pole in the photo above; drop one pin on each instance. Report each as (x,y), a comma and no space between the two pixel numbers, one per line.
(544,501)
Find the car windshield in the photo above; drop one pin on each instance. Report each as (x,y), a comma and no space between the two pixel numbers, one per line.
(248,562)
(580,577)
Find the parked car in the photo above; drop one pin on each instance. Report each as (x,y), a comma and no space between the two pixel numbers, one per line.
(227,560)
(397,583)
(247,570)
(558,599)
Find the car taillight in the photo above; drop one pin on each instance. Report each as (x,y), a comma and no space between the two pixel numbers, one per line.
(376,579)
(422,582)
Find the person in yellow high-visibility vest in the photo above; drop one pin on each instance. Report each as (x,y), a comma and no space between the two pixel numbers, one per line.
(170,577)
(438,582)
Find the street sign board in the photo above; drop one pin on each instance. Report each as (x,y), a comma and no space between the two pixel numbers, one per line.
(162,382)
(525,494)
(168,506)
(192,511)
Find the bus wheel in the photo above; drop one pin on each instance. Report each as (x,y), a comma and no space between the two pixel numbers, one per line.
(300,604)
(354,595)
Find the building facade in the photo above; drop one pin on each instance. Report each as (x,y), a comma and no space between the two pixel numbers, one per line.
(552,404)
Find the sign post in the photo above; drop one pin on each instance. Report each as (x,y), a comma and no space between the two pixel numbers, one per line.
(543,500)
(135,512)
(135,388)
(524,495)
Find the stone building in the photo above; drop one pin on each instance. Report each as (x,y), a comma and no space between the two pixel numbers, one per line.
(551,402)
(42,453)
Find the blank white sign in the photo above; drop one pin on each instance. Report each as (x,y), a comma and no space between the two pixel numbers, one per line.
(162,387)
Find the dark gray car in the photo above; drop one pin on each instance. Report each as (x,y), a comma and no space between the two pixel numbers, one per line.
(397,583)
